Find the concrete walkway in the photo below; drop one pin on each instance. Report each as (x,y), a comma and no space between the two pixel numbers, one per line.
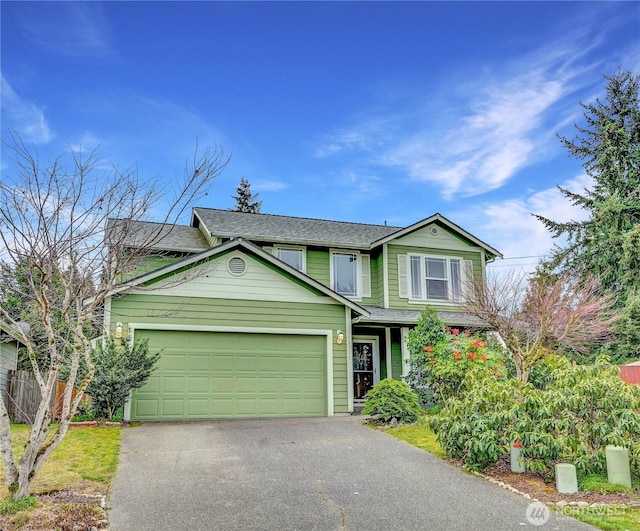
(301,474)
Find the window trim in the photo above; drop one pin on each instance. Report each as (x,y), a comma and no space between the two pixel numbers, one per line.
(423,279)
(302,249)
(361,289)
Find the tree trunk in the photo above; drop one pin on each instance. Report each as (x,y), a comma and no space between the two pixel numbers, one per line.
(24,485)
(10,471)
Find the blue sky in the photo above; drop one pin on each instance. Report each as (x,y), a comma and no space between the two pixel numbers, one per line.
(364,111)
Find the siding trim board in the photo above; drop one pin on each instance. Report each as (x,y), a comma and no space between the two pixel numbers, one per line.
(328,334)
(349,334)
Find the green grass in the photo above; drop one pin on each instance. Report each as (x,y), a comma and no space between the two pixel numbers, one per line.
(608,518)
(8,506)
(420,436)
(85,461)
(598,483)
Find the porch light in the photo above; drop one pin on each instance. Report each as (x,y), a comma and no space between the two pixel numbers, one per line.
(118,330)
(340,337)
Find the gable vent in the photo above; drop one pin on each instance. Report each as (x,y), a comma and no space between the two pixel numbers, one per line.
(237,266)
(434,230)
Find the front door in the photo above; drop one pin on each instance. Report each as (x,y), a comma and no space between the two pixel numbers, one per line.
(366,360)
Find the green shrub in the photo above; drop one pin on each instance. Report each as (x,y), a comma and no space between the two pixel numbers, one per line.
(443,359)
(584,408)
(119,369)
(478,427)
(392,398)
(84,411)
(580,412)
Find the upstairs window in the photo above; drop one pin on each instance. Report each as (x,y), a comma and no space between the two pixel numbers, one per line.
(351,274)
(345,274)
(293,256)
(436,278)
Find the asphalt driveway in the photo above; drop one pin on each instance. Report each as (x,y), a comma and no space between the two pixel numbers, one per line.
(300,474)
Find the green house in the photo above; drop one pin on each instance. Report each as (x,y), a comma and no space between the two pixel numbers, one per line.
(260,315)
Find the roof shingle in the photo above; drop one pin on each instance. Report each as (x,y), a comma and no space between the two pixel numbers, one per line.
(179,238)
(286,229)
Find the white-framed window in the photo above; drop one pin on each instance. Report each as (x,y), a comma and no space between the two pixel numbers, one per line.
(438,278)
(351,274)
(294,256)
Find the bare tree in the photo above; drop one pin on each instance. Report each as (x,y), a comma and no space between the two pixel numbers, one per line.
(533,316)
(53,225)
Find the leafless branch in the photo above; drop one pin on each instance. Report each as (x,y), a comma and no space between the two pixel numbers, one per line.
(536,315)
(55,219)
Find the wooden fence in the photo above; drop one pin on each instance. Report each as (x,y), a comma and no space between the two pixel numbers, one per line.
(23,397)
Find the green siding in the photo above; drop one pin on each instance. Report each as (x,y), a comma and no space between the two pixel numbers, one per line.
(150,263)
(159,309)
(392,261)
(396,353)
(377,279)
(318,266)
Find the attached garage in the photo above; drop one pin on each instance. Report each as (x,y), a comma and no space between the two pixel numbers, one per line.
(219,374)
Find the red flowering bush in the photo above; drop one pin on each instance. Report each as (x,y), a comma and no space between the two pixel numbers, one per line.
(443,358)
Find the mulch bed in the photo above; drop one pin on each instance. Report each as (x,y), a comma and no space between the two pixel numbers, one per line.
(63,510)
(533,485)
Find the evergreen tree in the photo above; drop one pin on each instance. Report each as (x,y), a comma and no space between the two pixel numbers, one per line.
(245,200)
(607,244)
(120,368)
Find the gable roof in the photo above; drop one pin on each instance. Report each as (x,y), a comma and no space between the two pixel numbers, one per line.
(8,333)
(247,247)
(441,220)
(158,236)
(273,228)
(288,229)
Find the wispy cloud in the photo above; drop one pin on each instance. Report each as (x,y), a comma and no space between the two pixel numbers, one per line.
(501,119)
(522,238)
(268,186)
(174,126)
(487,146)
(87,142)
(26,118)
(68,28)
(371,134)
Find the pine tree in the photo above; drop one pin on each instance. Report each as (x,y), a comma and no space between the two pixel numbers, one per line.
(245,200)
(607,244)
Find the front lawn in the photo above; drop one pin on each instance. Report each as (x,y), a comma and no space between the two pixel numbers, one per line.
(608,518)
(420,436)
(84,464)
